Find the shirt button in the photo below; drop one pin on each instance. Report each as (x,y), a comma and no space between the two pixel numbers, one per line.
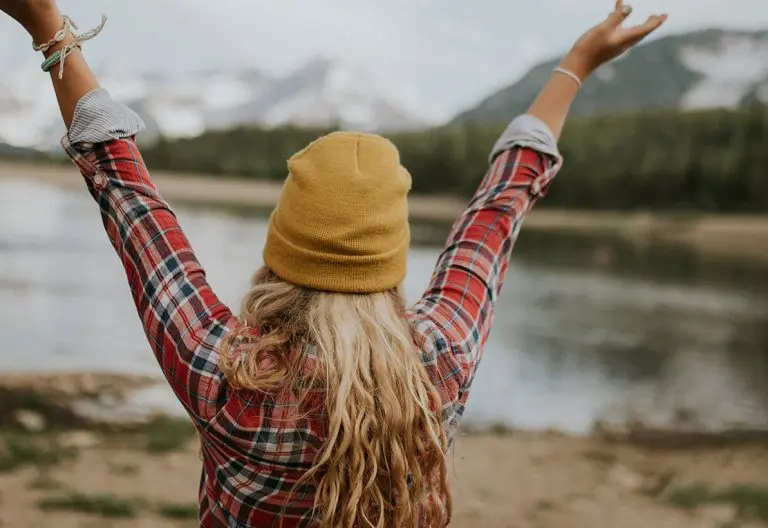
(99,179)
(536,188)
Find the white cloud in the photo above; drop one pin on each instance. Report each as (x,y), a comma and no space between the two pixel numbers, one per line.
(437,54)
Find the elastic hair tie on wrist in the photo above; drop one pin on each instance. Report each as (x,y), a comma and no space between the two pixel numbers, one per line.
(569,73)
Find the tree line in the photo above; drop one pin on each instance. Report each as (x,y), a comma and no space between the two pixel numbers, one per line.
(715,160)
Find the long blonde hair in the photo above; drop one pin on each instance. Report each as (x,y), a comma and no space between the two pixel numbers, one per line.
(384,460)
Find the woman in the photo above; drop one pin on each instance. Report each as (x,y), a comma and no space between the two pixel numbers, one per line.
(326,402)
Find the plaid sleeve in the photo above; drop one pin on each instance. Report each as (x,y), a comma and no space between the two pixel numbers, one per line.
(457,308)
(182,317)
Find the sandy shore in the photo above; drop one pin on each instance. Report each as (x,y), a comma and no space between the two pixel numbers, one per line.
(58,470)
(733,236)
(519,480)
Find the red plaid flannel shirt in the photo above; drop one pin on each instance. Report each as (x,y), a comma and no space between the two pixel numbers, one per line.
(254,447)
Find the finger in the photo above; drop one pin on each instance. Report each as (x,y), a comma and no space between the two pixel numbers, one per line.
(635,34)
(619,14)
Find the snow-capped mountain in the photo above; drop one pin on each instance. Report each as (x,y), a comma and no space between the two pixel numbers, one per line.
(732,69)
(703,69)
(322,93)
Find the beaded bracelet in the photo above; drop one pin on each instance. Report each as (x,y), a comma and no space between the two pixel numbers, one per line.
(51,61)
(58,56)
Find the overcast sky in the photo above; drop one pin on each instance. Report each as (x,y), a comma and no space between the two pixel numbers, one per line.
(436,56)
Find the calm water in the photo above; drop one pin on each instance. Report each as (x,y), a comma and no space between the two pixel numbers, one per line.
(586,328)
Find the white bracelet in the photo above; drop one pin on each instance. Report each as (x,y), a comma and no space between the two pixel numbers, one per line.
(570,74)
(67,27)
(60,57)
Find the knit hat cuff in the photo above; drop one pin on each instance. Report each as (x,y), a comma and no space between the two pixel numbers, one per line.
(334,272)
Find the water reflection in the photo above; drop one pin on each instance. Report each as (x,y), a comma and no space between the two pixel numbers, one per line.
(587,328)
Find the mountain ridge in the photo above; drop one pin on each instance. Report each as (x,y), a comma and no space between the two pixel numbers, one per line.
(322,92)
(700,69)
(695,70)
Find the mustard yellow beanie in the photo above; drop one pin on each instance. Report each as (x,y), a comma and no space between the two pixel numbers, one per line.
(341,224)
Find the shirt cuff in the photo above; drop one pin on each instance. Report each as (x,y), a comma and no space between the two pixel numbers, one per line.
(527,131)
(99,118)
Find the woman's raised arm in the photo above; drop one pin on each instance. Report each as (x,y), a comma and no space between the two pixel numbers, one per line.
(43,20)
(182,317)
(457,310)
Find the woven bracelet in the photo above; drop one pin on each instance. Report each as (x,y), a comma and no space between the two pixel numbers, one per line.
(51,62)
(60,56)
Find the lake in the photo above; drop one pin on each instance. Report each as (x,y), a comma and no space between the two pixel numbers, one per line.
(586,329)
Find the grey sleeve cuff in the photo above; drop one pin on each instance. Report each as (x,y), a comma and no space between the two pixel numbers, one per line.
(527,131)
(99,118)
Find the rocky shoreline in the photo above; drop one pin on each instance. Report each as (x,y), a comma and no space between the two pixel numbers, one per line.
(68,400)
(106,400)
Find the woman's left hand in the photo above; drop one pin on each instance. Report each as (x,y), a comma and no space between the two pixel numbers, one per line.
(608,40)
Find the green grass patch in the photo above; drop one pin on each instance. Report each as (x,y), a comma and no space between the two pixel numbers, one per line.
(17,451)
(178,511)
(124,469)
(750,501)
(105,505)
(165,434)
(545,505)
(56,414)
(690,497)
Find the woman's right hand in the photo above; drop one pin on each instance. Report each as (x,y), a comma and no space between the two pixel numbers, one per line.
(608,40)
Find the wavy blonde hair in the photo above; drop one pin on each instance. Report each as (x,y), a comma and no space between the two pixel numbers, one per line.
(383,463)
